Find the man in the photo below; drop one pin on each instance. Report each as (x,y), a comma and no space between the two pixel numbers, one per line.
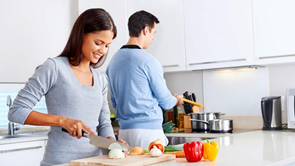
(138,88)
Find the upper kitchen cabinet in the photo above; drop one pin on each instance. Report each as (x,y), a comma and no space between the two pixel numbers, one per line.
(218,33)
(169,43)
(274,31)
(31,33)
(117,10)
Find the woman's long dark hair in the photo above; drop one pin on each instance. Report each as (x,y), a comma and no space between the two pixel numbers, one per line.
(91,20)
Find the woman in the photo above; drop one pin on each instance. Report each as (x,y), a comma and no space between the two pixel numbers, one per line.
(75,94)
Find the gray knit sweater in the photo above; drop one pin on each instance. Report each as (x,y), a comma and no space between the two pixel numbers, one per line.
(65,96)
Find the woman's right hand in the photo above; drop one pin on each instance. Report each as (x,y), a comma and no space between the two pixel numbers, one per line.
(75,127)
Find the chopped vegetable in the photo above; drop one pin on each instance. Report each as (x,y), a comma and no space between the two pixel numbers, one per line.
(158,143)
(178,154)
(168,127)
(155,152)
(137,151)
(115,146)
(172,148)
(116,154)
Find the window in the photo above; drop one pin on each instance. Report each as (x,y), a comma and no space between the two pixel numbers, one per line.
(12,90)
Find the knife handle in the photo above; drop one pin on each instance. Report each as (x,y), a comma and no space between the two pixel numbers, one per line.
(84,134)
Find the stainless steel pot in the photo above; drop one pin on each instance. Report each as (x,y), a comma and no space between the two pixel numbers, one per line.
(217,125)
(203,116)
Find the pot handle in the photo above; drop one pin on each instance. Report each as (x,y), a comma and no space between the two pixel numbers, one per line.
(199,120)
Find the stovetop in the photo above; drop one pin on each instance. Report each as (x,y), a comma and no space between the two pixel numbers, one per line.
(201,131)
(238,130)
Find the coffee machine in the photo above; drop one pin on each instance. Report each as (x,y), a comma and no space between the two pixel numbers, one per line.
(271,113)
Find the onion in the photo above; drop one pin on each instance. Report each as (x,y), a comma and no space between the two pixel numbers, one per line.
(137,151)
(116,154)
(115,146)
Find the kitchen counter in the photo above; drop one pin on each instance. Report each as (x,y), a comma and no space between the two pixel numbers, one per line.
(189,133)
(25,138)
(275,148)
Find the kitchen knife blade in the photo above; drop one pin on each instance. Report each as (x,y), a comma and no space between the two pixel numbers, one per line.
(104,142)
(101,141)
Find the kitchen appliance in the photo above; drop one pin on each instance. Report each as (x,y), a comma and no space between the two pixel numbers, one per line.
(290,97)
(271,113)
(198,118)
(100,141)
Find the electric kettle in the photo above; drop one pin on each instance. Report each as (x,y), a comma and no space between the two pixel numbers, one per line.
(271,113)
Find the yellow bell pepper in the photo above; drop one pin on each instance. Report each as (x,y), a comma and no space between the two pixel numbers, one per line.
(210,150)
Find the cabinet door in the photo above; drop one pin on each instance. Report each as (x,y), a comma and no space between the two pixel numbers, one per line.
(168,46)
(117,10)
(274,31)
(31,33)
(218,33)
(25,153)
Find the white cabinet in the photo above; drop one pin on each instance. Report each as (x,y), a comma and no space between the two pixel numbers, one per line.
(117,10)
(169,44)
(218,33)
(24,153)
(31,33)
(274,31)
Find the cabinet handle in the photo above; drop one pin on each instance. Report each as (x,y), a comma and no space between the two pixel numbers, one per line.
(204,63)
(20,149)
(277,56)
(177,65)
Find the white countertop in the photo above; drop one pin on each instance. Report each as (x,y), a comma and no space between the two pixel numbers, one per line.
(27,138)
(275,148)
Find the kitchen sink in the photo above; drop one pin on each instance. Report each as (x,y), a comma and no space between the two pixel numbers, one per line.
(23,135)
(183,140)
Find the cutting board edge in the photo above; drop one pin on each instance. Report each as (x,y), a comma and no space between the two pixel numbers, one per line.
(83,162)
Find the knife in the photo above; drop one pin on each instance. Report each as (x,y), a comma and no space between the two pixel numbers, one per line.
(194,97)
(100,141)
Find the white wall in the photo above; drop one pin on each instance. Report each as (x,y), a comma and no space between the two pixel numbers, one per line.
(191,81)
(31,31)
(237,92)
(281,77)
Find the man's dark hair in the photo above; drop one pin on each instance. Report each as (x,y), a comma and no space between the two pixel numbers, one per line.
(139,20)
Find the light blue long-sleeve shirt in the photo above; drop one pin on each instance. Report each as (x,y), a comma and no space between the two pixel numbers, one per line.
(138,89)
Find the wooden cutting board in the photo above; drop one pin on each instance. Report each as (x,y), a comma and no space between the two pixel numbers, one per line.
(130,160)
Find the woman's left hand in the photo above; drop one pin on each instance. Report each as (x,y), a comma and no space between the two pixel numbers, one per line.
(120,140)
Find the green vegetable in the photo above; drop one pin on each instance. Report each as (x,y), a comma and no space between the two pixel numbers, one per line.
(172,148)
(146,150)
(168,127)
(167,124)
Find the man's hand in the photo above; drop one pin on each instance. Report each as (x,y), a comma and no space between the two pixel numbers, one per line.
(179,99)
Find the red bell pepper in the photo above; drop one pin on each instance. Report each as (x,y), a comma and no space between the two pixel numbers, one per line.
(193,151)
